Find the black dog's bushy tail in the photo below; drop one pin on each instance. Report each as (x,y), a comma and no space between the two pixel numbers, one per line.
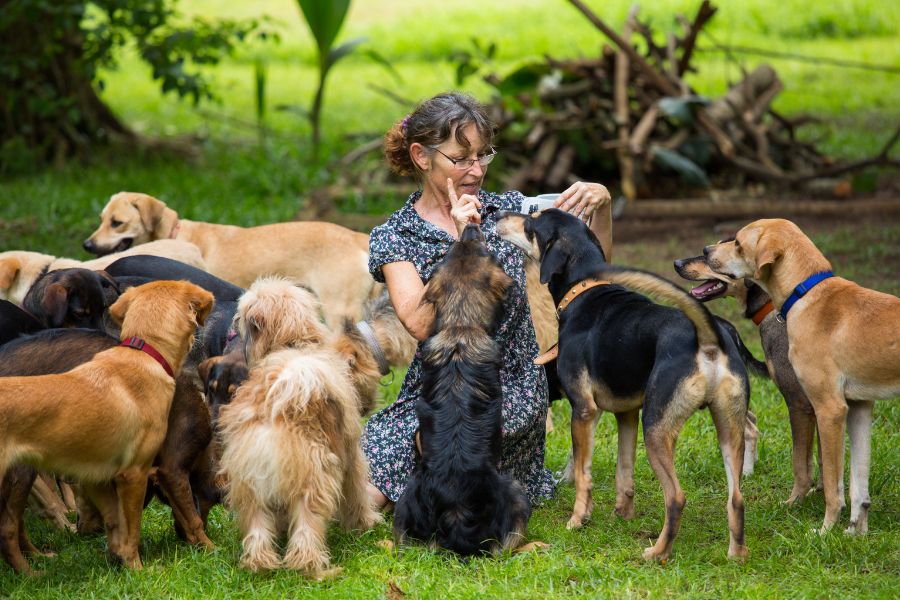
(654,285)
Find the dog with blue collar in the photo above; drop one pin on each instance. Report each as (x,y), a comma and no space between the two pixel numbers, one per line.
(844,346)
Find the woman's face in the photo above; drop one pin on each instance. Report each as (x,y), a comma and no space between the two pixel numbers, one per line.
(466,179)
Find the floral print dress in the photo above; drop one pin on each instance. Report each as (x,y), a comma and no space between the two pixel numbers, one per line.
(388,438)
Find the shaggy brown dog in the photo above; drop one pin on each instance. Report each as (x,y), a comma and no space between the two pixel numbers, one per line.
(291,456)
(103,422)
(844,346)
(330,259)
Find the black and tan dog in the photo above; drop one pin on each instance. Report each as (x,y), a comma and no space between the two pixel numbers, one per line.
(456,497)
(73,297)
(620,352)
(844,346)
(756,305)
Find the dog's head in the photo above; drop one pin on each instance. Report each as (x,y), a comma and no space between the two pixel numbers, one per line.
(550,236)
(714,285)
(761,249)
(18,271)
(468,287)
(274,314)
(71,298)
(167,311)
(221,377)
(130,219)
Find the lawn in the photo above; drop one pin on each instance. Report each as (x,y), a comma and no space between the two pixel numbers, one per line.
(233,179)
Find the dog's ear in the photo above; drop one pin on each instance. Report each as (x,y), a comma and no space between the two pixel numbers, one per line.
(157,218)
(202,303)
(553,261)
(120,307)
(9,271)
(767,252)
(204,368)
(109,286)
(55,304)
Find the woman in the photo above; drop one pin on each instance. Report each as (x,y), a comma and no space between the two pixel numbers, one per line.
(446,145)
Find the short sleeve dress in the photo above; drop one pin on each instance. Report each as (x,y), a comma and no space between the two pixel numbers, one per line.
(388,438)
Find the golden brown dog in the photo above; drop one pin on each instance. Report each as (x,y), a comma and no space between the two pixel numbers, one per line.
(103,421)
(330,259)
(291,456)
(844,345)
(20,268)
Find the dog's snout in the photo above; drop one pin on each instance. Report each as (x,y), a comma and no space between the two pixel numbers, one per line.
(89,245)
(679,263)
(706,251)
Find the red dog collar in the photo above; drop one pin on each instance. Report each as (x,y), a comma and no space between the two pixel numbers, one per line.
(763,312)
(138,344)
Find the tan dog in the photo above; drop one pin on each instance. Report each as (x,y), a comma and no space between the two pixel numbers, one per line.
(20,268)
(330,259)
(104,421)
(844,346)
(290,437)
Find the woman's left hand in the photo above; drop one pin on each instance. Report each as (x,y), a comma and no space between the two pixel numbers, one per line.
(582,199)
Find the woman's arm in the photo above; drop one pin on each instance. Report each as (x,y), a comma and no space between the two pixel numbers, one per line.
(406,289)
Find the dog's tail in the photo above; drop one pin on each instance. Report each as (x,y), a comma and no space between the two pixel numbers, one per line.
(300,377)
(708,335)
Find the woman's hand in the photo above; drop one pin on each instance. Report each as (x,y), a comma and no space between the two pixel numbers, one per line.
(464,209)
(582,199)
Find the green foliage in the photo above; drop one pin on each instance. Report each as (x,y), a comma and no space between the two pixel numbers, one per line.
(53,52)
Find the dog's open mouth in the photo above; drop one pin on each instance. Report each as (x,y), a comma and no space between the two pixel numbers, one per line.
(709,289)
(125,244)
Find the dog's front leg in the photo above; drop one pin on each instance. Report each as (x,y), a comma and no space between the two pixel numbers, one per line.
(131,487)
(859,426)
(627,424)
(14,540)
(584,419)
(103,497)
(831,416)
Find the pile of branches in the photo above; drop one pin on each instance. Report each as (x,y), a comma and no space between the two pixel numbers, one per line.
(629,116)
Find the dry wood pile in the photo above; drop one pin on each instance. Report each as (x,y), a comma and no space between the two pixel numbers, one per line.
(628,115)
(628,118)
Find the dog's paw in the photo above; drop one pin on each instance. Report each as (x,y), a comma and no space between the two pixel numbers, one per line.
(327,574)
(534,546)
(652,553)
(576,522)
(856,529)
(625,511)
(739,553)
(386,545)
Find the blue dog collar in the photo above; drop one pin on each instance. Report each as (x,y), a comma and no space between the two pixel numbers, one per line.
(801,290)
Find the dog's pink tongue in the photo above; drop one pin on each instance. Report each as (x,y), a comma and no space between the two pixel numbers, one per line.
(706,289)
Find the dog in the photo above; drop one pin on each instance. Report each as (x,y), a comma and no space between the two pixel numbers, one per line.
(15,322)
(158,268)
(71,298)
(620,352)
(456,497)
(330,259)
(19,269)
(844,346)
(291,457)
(104,421)
(757,306)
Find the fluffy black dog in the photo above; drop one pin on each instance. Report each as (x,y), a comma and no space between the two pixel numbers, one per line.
(457,498)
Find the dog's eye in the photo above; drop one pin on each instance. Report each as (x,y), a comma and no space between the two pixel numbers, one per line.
(115,223)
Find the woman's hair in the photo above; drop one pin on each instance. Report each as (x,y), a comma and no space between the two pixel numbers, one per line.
(431,123)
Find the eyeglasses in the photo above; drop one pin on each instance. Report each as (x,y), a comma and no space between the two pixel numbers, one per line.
(463,164)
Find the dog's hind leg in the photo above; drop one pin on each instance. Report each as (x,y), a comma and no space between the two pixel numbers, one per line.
(627,423)
(726,413)
(751,443)
(803,429)
(660,441)
(173,480)
(356,510)
(257,522)
(859,427)
(306,549)
(584,419)
(14,540)
(103,497)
